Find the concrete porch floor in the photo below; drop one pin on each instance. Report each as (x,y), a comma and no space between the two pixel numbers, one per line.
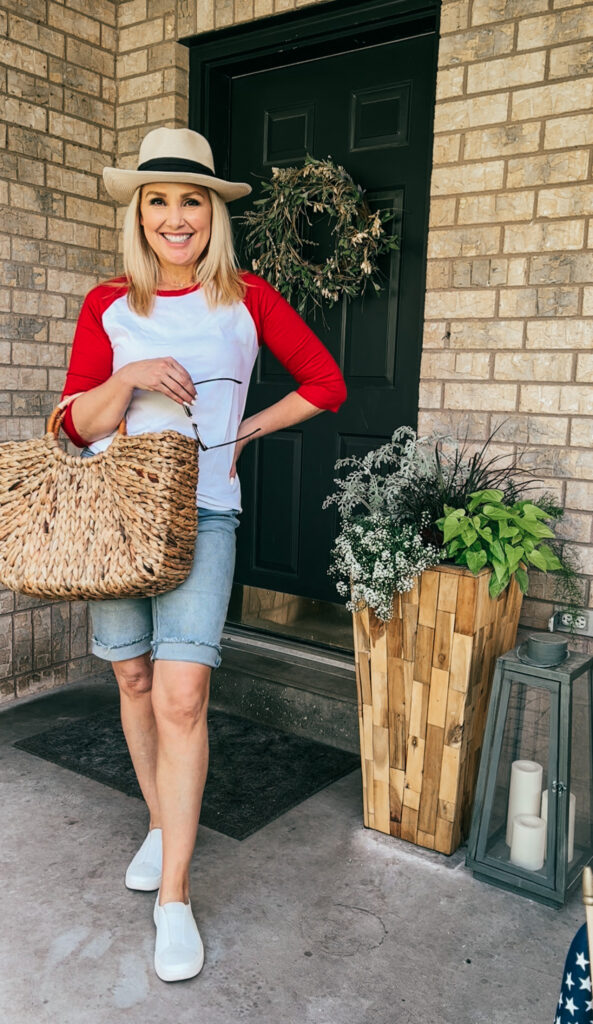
(312,920)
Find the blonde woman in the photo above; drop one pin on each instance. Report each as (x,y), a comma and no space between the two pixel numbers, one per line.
(171,345)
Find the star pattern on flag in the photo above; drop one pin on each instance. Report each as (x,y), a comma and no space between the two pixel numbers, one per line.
(575,1005)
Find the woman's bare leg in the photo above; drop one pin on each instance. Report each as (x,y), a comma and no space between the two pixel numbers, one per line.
(134,677)
(180,701)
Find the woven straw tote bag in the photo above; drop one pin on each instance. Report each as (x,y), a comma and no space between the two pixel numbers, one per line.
(120,524)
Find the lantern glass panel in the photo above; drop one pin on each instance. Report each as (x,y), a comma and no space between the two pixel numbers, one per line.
(526,738)
(579,840)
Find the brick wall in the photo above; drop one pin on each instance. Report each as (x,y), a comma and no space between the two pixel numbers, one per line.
(57,80)
(509,304)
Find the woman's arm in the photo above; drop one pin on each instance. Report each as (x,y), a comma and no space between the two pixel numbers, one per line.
(289,410)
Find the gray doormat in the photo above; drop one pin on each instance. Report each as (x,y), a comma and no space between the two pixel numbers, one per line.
(256,773)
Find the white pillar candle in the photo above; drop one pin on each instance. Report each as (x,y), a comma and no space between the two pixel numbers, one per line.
(529,842)
(571,820)
(525,792)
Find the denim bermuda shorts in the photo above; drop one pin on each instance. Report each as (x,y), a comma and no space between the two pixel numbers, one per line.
(184,624)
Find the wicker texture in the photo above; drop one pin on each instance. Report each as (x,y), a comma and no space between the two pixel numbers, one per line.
(424,682)
(120,524)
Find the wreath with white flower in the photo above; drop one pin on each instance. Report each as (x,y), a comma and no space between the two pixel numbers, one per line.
(276,234)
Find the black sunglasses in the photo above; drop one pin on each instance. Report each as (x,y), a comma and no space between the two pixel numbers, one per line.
(188,412)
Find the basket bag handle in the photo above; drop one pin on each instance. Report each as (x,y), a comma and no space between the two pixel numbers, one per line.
(57,416)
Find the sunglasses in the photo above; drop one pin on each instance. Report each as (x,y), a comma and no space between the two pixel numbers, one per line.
(188,412)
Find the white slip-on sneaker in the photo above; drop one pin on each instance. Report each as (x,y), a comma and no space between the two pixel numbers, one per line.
(146,867)
(178,952)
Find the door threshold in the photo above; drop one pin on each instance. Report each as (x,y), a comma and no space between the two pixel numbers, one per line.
(287,650)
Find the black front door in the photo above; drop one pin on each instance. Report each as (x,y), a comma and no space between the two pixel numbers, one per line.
(371,109)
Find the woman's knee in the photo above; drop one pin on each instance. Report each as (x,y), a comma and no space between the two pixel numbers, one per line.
(134,676)
(180,698)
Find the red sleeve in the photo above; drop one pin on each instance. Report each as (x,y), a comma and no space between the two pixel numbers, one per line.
(91,359)
(295,345)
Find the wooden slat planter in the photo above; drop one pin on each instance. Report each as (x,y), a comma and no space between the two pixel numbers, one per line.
(423,683)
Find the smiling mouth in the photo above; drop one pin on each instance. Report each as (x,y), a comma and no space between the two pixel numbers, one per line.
(177,239)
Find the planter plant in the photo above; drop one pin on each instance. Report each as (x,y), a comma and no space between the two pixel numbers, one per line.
(433,554)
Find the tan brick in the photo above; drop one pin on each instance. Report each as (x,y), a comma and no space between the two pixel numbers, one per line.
(485,395)
(19,223)
(133,38)
(471,111)
(71,233)
(261,7)
(562,234)
(563,132)
(71,181)
(36,35)
(33,354)
(552,398)
(430,395)
(133,89)
(108,90)
(34,144)
(581,431)
(42,200)
(457,303)
(468,365)
(449,83)
(479,177)
(131,114)
(25,114)
(502,141)
(530,366)
(579,495)
(454,16)
(88,107)
(494,334)
(442,211)
(38,303)
(587,301)
(104,10)
(15,378)
(555,28)
(73,128)
(15,55)
(133,63)
(517,271)
(563,268)
(93,213)
(473,241)
(585,370)
(571,200)
(486,11)
(446,149)
(531,429)
(567,334)
(73,76)
(68,283)
(574,526)
(571,61)
(544,170)
(61,332)
(517,302)
(132,12)
(496,207)
(168,54)
(512,71)
(91,57)
(560,301)
(75,24)
(553,99)
(476,44)
(166,108)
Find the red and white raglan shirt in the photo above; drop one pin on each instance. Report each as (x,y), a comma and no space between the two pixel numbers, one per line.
(219,342)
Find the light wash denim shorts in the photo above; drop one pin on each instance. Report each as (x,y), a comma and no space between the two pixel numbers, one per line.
(184,624)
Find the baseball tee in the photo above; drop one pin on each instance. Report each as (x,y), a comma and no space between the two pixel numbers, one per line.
(220,342)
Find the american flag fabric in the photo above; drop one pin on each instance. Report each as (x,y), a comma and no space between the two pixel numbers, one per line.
(575,1005)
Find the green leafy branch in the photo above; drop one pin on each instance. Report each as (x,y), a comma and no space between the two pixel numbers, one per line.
(506,538)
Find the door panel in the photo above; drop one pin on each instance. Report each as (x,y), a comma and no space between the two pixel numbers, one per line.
(371,109)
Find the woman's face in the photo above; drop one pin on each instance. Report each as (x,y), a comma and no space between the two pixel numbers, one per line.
(176,219)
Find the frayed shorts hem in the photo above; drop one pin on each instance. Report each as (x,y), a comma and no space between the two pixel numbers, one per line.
(199,652)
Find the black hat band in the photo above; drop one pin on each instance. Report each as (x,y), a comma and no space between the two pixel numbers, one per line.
(173,163)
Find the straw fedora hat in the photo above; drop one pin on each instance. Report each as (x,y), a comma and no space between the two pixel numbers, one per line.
(172,154)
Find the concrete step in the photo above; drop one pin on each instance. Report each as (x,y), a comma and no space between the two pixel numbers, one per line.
(304,690)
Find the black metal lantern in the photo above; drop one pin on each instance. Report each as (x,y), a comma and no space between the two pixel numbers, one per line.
(532,823)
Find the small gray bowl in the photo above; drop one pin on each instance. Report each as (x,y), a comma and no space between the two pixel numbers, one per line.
(543,651)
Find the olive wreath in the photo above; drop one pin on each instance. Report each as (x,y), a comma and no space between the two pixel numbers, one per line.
(275,234)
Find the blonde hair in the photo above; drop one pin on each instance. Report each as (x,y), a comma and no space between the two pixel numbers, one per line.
(217,269)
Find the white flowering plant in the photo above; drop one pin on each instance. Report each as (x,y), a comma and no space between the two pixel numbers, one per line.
(277,235)
(395,502)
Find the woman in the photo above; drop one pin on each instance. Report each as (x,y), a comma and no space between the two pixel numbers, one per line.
(177,337)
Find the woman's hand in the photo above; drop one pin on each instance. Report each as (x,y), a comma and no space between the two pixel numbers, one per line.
(164,374)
